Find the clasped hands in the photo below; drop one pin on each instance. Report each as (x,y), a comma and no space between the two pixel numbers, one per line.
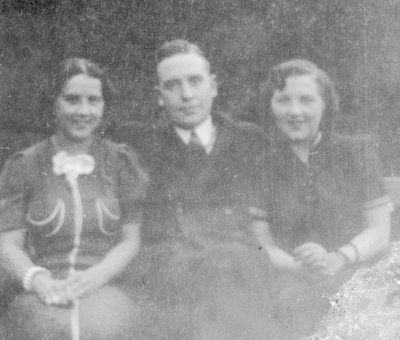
(317,259)
(64,292)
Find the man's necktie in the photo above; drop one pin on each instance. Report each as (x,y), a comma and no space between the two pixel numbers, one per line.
(195,144)
(195,154)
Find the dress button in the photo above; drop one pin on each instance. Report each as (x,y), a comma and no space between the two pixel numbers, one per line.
(227,211)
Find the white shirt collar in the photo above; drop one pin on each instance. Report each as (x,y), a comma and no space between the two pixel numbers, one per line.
(206,132)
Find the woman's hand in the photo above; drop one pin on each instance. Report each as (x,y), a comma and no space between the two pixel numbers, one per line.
(83,283)
(311,255)
(317,259)
(51,291)
(334,262)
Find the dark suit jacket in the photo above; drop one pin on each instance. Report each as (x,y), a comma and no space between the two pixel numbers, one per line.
(189,192)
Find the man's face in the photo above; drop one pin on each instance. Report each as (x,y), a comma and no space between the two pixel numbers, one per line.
(186,89)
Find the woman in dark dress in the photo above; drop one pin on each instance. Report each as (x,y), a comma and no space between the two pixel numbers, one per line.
(323,209)
(70,215)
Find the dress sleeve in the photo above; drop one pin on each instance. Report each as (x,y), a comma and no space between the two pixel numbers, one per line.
(372,192)
(13,195)
(132,185)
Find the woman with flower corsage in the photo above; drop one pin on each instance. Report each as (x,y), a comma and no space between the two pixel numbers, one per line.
(70,215)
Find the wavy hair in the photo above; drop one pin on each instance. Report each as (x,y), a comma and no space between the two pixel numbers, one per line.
(74,66)
(276,80)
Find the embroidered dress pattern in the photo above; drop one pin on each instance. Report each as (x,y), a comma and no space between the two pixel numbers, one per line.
(72,167)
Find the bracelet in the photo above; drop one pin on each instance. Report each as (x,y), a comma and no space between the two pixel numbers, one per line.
(30,274)
(351,252)
(352,245)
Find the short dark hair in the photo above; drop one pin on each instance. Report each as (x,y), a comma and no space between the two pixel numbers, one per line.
(276,80)
(75,66)
(178,46)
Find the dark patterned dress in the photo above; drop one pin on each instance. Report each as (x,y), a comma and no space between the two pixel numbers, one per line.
(321,201)
(71,223)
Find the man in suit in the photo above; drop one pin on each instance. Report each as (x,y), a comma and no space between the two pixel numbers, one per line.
(203,260)
(197,158)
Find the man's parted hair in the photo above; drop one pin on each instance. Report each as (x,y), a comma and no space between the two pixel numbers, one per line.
(179,46)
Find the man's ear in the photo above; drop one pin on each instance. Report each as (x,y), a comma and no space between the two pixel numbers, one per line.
(214,84)
(158,94)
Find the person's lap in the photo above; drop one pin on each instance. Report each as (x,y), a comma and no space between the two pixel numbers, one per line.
(300,303)
(9,288)
(106,314)
(216,292)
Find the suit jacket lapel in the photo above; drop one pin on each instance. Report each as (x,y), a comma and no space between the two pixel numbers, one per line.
(212,168)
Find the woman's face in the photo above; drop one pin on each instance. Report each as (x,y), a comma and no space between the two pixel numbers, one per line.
(79,107)
(298,108)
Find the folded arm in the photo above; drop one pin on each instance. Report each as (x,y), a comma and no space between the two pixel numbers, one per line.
(278,257)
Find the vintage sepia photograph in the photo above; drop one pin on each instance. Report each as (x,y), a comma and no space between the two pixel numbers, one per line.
(199,170)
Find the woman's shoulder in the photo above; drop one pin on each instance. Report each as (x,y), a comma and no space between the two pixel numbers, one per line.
(355,150)
(357,156)
(29,155)
(118,152)
(25,165)
(351,143)
(121,155)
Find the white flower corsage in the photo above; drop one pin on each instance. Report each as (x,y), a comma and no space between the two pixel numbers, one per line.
(72,166)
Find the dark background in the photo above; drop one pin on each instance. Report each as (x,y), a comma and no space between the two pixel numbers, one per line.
(357,42)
